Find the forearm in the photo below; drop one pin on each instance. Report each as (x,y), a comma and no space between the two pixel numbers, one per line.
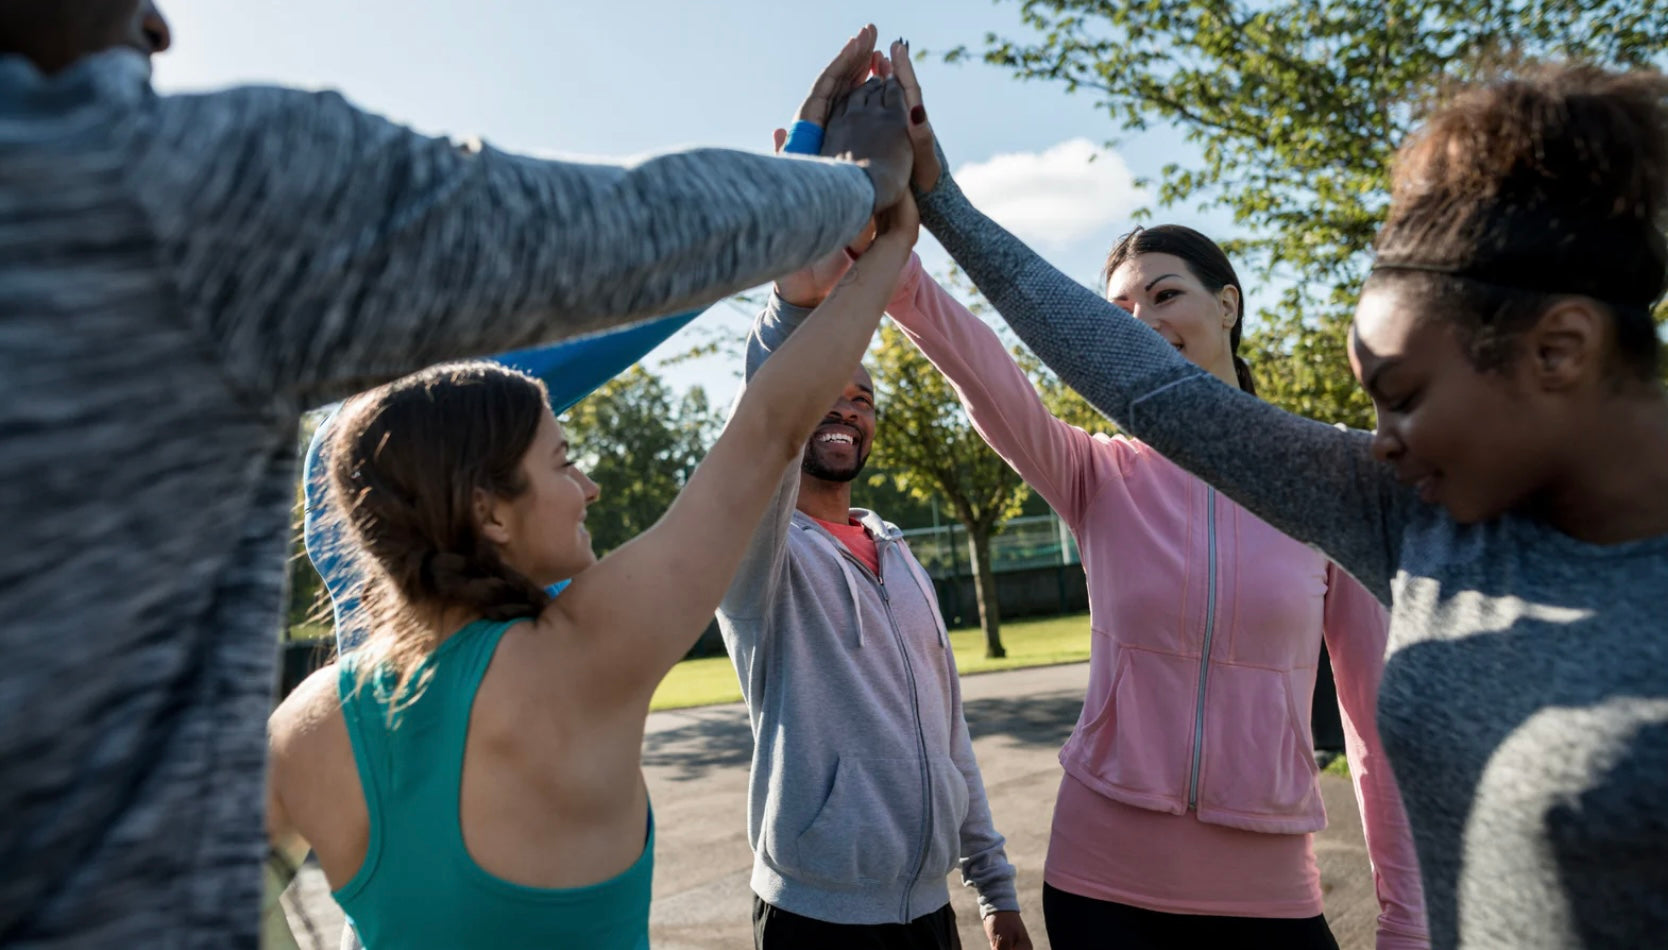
(1356,638)
(984,857)
(756,580)
(1312,481)
(323,249)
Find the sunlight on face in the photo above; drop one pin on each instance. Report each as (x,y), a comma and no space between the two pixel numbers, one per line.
(1161,291)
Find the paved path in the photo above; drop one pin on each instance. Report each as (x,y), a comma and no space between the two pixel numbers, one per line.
(696,762)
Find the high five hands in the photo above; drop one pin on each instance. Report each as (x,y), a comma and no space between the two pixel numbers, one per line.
(863,99)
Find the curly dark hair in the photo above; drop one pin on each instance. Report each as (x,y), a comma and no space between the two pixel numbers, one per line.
(1547,182)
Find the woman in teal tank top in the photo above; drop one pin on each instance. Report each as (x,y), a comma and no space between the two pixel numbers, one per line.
(471,775)
(410,862)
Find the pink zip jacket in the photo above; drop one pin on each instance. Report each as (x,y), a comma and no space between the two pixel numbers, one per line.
(1207,625)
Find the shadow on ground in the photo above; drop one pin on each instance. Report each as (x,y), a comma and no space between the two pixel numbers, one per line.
(716,737)
(1041,720)
(690,744)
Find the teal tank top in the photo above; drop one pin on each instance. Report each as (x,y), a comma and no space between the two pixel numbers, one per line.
(418,887)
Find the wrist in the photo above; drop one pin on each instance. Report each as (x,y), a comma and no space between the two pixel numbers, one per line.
(802,297)
(804,138)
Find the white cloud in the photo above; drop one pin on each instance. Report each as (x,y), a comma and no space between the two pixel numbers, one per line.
(1054,197)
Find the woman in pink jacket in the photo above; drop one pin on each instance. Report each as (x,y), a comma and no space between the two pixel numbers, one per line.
(1190,797)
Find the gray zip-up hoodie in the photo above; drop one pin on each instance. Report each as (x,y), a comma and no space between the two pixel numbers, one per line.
(864,791)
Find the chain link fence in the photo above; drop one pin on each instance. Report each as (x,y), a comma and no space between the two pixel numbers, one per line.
(1024,543)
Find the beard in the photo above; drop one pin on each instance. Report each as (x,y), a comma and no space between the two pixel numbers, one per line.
(814,465)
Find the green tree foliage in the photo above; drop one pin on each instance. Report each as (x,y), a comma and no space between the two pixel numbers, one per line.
(926,442)
(1296,107)
(640,442)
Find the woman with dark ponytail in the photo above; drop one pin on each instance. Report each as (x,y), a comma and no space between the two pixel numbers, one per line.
(1511,507)
(470,775)
(1190,797)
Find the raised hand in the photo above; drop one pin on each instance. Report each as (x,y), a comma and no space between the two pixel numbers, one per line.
(927,169)
(871,127)
(845,72)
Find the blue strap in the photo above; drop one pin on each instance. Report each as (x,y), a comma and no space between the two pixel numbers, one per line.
(571,370)
(804,138)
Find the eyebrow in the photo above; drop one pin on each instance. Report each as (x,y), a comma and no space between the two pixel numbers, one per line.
(1146,288)
(1384,366)
(868,389)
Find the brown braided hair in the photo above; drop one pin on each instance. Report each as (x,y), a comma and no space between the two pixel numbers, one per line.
(406,461)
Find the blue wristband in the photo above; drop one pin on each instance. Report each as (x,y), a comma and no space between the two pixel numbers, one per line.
(804,138)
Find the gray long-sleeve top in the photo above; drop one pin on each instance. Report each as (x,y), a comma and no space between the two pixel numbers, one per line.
(1524,704)
(180,276)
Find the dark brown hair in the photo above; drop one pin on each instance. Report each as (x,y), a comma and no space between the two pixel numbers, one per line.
(406,460)
(1208,264)
(1549,181)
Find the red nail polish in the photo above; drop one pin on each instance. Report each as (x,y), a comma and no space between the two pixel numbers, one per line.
(918,115)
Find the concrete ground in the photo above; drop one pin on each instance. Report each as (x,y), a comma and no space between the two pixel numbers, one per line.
(696,762)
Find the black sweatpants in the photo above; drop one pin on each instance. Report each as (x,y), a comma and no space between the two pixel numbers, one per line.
(1084,923)
(777,929)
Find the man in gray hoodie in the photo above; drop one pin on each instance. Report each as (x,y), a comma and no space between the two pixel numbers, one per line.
(864,790)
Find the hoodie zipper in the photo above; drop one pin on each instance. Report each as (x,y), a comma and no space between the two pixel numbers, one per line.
(1204,659)
(915,708)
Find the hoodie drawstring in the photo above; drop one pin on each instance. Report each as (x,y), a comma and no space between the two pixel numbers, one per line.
(924,583)
(846,572)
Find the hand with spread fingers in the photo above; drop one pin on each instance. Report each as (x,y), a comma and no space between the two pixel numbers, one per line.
(845,72)
(849,69)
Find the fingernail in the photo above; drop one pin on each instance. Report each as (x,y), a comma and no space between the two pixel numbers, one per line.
(918,115)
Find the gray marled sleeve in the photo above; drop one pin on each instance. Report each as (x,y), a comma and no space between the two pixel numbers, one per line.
(1317,483)
(324,249)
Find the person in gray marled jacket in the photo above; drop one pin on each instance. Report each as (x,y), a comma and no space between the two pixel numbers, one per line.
(181,276)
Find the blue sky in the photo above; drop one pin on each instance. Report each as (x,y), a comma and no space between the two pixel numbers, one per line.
(617,78)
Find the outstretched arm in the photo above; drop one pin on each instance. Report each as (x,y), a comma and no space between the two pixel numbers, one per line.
(1315,482)
(690,555)
(320,250)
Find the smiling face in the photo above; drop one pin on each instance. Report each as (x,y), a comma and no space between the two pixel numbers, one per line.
(1161,291)
(838,450)
(540,531)
(1477,442)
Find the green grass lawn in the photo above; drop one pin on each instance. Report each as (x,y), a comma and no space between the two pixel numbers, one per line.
(712,679)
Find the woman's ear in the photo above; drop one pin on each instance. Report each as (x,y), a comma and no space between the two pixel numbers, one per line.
(488,518)
(1229,298)
(1566,344)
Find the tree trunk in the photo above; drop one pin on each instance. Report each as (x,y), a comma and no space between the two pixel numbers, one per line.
(984,585)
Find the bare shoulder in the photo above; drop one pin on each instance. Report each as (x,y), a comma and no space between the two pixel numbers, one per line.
(313,780)
(305,715)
